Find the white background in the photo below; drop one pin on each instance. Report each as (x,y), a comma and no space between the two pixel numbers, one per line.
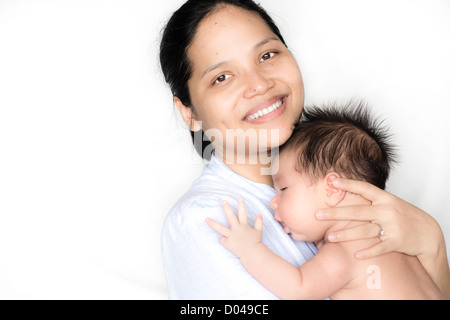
(93,154)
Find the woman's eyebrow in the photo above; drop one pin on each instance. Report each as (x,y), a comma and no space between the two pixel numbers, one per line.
(262,43)
(255,47)
(213,67)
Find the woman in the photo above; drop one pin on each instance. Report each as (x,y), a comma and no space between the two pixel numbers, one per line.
(234,81)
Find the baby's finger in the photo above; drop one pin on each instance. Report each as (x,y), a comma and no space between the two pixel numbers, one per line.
(259,222)
(218,227)
(242,215)
(232,220)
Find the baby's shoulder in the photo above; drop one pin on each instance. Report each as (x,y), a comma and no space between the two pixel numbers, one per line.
(336,250)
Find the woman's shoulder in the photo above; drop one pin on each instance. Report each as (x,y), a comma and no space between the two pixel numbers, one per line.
(196,203)
(185,224)
(205,196)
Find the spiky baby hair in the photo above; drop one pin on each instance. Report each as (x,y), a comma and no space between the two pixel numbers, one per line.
(345,139)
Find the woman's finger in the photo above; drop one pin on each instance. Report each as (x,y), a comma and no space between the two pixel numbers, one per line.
(364,231)
(355,213)
(232,219)
(363,188)
(218,227)
(375,251)
(242,215)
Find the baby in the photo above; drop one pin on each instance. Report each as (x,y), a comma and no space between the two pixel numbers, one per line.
(326,144)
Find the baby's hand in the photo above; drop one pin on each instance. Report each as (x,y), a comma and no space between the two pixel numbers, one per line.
(240,237)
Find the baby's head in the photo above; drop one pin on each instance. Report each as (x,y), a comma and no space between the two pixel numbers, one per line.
(328,142)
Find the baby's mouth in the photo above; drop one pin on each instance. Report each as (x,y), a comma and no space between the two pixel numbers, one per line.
(285,228)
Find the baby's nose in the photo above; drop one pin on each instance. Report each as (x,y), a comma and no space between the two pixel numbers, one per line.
(273,203)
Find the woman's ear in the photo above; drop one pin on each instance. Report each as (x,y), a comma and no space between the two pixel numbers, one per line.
(333,195)
(187,115)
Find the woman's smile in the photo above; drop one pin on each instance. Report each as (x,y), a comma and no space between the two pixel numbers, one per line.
(267,111)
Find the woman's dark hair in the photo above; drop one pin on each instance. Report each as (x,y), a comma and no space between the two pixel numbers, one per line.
(345,139)
(178,36)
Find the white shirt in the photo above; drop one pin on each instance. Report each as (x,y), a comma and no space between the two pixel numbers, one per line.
(197,266)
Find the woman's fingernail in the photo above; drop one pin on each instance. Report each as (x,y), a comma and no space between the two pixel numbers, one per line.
(336,182)
(359,255)
(332,237)
(321,215)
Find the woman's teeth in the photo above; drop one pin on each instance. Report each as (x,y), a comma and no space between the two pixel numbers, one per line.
(266,111)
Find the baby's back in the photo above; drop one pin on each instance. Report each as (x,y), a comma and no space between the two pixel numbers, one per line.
(393,276)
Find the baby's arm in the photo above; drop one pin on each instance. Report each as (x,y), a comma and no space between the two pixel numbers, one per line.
(326,273)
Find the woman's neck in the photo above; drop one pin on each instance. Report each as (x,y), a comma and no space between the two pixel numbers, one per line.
(256,172)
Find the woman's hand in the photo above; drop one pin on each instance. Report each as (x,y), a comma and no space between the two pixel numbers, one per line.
(406,229)
(240,238)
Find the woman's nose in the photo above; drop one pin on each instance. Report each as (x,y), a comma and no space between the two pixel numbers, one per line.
(258,83)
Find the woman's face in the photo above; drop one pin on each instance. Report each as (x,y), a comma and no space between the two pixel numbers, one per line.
(243,77)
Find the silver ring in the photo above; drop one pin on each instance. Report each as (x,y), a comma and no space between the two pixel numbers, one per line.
(381,233)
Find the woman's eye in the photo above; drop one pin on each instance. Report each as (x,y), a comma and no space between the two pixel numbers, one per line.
(221,78)
(282,189)
(267,56)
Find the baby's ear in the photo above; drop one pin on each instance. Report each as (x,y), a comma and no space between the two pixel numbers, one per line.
(333,195)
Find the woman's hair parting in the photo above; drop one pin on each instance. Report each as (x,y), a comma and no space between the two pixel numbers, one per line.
(177,37)
(345,139)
